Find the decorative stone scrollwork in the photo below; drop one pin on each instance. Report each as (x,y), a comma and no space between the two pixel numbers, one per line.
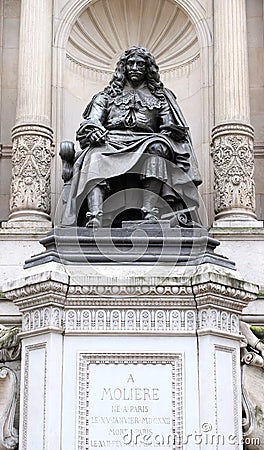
(252,361)
(234,169)
(10,345)
(32,153)
(8,395)
(218,320)
(252,348)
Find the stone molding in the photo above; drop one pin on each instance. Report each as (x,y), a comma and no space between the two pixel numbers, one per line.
(89,73)
(45,293)
(37,294)
(235,384)
(31,160)
(225,129)
(48,301)
(8,433)
(26,387)
(5,151)
(233,157)
(175,360)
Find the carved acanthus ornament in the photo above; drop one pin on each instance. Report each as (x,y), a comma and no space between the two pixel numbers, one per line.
(234,169)
(32,153)
(10,345)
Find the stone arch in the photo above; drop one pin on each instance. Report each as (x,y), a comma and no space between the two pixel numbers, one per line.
(197,15)
(74,8)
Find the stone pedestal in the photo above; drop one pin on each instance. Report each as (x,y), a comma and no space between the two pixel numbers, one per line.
(119,354)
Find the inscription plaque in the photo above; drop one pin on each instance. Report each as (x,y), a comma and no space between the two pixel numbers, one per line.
(130,404)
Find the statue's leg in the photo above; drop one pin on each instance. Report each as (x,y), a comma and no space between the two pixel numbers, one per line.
(95,200)
(154,172)
(152,187)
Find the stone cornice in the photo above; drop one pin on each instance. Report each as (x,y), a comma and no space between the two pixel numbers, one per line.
(204,298)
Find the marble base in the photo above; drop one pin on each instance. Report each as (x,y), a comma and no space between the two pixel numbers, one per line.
(246,247)
(45,225)
(137,242)
(130,355)
(16,245)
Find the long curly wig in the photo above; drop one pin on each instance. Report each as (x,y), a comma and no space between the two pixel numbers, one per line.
(118,81)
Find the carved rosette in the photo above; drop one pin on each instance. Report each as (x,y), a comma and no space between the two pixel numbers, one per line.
(234,170)
(32,153)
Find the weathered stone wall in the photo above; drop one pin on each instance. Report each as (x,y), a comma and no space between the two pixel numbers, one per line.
(189,73)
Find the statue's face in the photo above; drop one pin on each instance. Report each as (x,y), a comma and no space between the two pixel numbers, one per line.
(136,69)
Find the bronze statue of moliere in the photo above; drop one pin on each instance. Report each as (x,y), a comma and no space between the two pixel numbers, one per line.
(133,136)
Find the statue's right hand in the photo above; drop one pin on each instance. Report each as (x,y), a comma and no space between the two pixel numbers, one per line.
(96,137)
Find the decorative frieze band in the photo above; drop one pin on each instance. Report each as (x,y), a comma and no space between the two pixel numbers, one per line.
(38,319)
(218,320)
(130,320)
(145,320)
(233,156)
(153,288)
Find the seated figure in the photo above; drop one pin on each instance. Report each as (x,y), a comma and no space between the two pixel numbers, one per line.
(133,136)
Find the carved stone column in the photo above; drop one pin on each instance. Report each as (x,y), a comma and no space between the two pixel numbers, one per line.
(232,137)
(32,135)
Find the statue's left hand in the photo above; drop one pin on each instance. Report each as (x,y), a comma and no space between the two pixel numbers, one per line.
(165,132)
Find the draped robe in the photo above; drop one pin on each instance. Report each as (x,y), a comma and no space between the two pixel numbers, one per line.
(131,122)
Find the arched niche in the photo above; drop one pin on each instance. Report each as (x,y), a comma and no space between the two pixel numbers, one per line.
(92,35)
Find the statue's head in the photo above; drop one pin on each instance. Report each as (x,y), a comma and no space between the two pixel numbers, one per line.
(136,64)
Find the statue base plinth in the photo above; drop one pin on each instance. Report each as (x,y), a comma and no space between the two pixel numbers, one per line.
(156,347)
(139,242)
